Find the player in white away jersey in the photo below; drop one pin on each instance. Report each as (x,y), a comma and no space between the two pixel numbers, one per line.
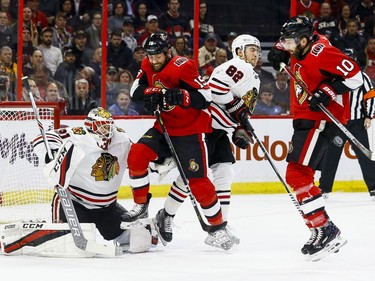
(96,179)
(234,87)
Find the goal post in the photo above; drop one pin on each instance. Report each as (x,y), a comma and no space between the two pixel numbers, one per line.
(24,190)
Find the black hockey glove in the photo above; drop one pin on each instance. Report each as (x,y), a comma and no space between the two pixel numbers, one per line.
(177,97)
(325,94)
(152,98)
(241,139)
(277,55)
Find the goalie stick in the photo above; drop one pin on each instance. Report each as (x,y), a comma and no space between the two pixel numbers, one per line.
(296,204)
(67,204)
(368,153)
(206,227)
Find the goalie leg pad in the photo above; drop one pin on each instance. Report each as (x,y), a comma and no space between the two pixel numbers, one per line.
(43,239)
(135,240)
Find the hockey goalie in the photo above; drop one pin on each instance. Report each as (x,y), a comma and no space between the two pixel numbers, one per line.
(87,168)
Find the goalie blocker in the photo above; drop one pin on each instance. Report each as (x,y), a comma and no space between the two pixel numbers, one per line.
(54,239)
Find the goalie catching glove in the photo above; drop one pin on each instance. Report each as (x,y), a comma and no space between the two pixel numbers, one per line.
(325,94)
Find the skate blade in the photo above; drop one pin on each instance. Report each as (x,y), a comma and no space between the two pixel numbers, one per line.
(332,247)
(134,224)
(158,231)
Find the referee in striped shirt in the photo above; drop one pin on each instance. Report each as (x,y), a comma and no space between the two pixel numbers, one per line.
(362,110)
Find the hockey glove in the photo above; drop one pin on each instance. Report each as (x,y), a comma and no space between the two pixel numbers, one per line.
(238,110)
(277,55)
(325,94)
(241,139)
(152,98)
(177,97)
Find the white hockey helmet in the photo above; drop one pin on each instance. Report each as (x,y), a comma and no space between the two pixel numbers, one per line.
(100,124)
(241,41)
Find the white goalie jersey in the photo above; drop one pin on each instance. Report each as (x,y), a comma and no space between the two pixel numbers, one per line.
(234,78)
(99,173)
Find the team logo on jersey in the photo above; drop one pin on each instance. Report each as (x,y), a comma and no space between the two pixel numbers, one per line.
(105,168)
(193,166)
(250,99)
(78,131)
(301,95)
(317,49)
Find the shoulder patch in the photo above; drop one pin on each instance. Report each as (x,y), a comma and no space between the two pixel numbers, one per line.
(317,49)
(180,61)
(78,131)
(120,130)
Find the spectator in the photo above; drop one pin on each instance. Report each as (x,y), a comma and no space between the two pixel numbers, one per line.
(82,103)
(207,52)
(370,54)
(220,57)
(138,55)
(36,59)
(112,86)
(6,58)
(119,55)
(80,49)
(363,10)
(123,105)
(140,18)
(53,95)
(96,61)
(281,91)
(5,93)
(204,26)
(27,23)
(41,75)
(266,105)
(52,55)
(5,31)
(354,40)
(27,46)
(94,31)
(230,38)
(33,89)
(10,10)
(125,79)
(336,6)
(50,8)
(67,72)
(343,19)
(173,22)
(38,17)
(308,8)
(90,75)
(265,76)
(118,16)
(152,26)
(179,47)
(73,21)
(128,34)
(61,36)
(326,24)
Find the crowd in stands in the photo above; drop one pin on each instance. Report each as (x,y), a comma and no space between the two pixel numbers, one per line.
(62,48)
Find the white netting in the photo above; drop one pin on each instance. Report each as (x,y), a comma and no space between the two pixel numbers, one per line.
(24,191)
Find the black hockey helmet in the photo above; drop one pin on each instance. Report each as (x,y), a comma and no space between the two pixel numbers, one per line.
(157,43)
(351,53)
(297,27)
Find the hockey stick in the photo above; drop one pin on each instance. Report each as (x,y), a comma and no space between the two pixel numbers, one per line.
(79,240)
(296,204)
(368,153)
(206,227)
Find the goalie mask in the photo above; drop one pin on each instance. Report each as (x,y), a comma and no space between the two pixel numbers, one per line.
(250,47)
(99,123)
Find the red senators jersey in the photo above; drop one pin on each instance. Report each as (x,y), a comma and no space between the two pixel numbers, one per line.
(324,63)
(179,72)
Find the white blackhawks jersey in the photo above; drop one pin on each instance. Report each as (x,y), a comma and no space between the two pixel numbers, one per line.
(234,78)
(96,180)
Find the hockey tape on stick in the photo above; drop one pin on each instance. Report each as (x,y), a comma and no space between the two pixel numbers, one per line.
(368,153)
(296,204)
(25,84)
(206,227)
(79,240)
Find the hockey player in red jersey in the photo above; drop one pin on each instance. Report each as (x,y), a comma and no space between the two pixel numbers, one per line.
(330,75)
(175,86)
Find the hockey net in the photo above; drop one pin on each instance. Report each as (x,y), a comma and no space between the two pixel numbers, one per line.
(24,191)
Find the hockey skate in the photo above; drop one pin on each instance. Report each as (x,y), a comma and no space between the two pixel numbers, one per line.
(233,237)
(220,239)
(305,249)
(328,241)
(139,211)
(163,226)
